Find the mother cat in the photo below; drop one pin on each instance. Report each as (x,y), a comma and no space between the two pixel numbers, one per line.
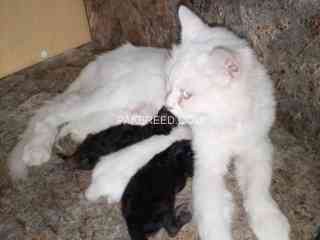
(215,83)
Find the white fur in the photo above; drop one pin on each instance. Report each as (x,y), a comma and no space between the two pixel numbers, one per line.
(127,81)
(233,97)
(112,174)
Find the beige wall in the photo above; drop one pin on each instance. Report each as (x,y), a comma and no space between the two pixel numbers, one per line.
(27,27)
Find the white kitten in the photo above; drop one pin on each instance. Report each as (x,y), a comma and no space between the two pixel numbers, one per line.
(128,81)
(217,85)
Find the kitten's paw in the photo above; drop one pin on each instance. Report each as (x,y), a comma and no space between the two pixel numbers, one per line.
(183,215)
(181,132)
(272,225)
(76,133)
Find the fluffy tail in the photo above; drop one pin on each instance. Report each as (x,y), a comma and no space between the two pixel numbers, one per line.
(17,167)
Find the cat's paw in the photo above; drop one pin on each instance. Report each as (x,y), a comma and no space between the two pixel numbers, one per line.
(35,154)
(272,225)
(38,150)
(99,188)
(181,132)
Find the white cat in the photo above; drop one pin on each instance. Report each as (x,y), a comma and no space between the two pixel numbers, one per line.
(128,81)
(216,84)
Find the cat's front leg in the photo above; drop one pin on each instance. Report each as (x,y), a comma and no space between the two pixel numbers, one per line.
(112,174)
(212,203)
(254,172)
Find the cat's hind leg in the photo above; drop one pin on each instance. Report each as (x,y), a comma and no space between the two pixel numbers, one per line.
(254,172)
(40,134)
(42,130)
(34,146)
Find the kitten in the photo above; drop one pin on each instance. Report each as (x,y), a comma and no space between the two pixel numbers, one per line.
(216,84)
(117,137)
(118,86)
(149,198)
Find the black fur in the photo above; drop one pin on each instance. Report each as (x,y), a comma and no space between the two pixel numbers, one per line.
(148,201)
(114,138)
(317,237)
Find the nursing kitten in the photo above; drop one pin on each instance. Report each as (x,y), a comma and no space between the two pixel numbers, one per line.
(148,202)
(118,87)
(117,137)
(216,84)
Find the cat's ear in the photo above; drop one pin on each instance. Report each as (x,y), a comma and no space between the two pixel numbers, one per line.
(228,60)
(191,24)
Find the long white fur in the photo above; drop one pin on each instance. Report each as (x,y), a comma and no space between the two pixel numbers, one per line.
(128,81)
(216,84)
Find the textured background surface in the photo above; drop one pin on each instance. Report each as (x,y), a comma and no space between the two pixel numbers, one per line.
(50,204)
(285,35)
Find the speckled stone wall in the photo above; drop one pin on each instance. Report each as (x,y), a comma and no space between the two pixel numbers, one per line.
(285,35)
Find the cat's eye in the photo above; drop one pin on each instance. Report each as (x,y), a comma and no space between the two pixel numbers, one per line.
(185,94)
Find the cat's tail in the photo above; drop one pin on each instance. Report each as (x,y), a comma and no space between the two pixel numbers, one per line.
(16,166)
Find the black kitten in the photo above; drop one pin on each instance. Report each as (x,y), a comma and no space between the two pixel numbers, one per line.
(114,138)
(148,201)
